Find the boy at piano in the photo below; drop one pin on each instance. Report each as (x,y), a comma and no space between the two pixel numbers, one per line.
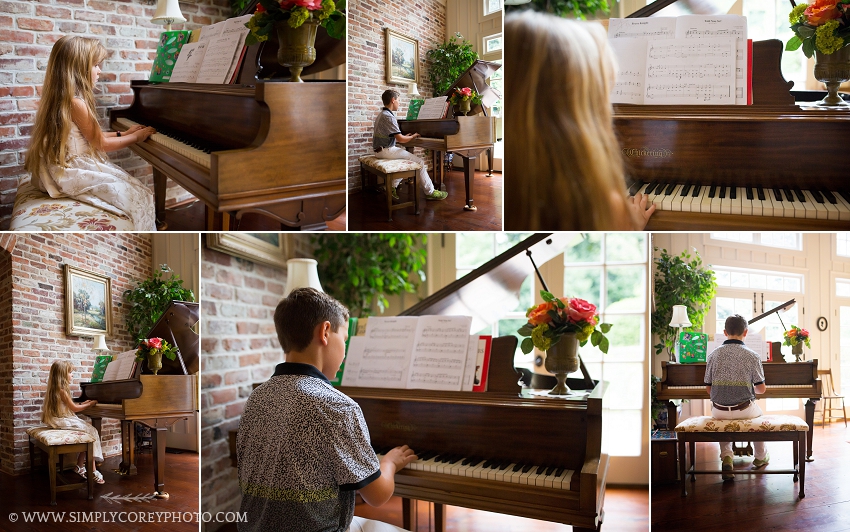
(386,134)
(67,153)
(303,446)
(59,411)
(733,375)
(563,166)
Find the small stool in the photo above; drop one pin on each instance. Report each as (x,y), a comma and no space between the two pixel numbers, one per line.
(55,442)
(390,170)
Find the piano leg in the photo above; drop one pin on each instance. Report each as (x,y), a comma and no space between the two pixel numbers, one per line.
(469,181)
(158,444)
(672,415)
(160,182)
(440,517)
(409,513)
(127,465)
(489,162)
(810,419)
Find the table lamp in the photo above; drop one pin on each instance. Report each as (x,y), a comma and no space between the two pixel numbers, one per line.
(302,273)
(680,319)
(99,344)
(412,91)
(167,13)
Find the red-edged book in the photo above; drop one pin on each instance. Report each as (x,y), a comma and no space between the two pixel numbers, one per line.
(482,364)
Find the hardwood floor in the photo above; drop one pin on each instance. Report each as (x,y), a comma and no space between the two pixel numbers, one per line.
(763,502)
(191,217)
(626,510)
(31,493)
(369,212)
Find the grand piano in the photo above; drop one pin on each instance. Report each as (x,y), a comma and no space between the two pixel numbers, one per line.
(156,401)
(503,450)
(466,136)
(730,167)
(261,146)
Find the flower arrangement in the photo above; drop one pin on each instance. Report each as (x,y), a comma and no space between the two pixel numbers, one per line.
(328,13)
(153,346)
(466,94)
(795,336)
(823,25)
(550,320)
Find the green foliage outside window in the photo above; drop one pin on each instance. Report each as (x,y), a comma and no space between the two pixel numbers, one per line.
(581,9)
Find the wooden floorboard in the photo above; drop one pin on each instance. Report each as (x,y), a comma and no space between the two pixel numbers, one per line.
(763,502)
(191,217)
(26,493)
(368,210)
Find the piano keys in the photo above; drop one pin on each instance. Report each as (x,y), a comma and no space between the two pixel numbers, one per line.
(156,401)
(798,379)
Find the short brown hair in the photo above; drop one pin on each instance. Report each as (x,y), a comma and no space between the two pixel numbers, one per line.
(298,314)
(735,325)
(388,95)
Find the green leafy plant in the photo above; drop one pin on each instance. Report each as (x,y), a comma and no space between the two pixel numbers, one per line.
(362,269)
(149,299)
(238,6)
(565,8)
(329,14)
(680,280)
(449,61)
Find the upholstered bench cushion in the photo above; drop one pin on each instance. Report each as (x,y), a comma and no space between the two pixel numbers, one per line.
(767,423)
(51,436)
(389,166)
(36,211)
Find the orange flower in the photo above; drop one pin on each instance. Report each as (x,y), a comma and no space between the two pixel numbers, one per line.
(821,11)
(540,314)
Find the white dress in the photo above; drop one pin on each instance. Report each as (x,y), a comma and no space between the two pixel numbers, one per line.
(72,422)
(99,183)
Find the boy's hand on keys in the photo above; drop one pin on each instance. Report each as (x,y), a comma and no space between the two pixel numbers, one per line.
(399,457)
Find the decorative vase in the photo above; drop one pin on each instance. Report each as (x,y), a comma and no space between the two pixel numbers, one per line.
(155,361)
(797,350)
(833,69)
(464,107)
(562,359)
(297,46)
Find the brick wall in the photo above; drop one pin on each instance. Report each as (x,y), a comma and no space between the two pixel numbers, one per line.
(7,423)
(422,20)
(38,323)
(239,347)
(27,33)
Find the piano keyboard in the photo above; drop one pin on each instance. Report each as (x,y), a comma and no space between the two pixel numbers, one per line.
(819,204)
(193,152)
(769,387)
(499,471)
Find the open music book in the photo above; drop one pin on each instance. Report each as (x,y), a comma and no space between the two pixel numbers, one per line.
(216,56)
(425,352)
(123,366)
(688,60)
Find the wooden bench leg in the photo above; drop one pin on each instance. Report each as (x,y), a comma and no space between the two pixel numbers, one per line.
(693,451)
(32,457)
(682,468)
(416,193)
(90,468)
(51,464)
(388,185)
(802,460)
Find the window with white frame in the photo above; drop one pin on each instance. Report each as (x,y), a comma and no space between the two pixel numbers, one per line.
(492,43)
(768,19)
(774,240)
(842,244)
(492,6)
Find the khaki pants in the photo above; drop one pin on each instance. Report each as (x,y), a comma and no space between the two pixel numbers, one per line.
(367,525)
(748,413)
(400,153)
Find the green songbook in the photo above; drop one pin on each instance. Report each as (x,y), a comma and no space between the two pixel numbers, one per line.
(413,109)
(170,43)
(692,347)
(100,364)
(352,329)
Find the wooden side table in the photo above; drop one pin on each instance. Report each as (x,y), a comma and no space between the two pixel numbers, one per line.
(664,457)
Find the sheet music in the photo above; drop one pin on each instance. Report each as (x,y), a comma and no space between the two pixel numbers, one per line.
(469,370)
(702,27)
(631,70)
(224,42)
(209,33)
(653,27)
(236,25)
(753,341)
(680,71)
(433,108)
(440,350)
(189,62)
(381,358)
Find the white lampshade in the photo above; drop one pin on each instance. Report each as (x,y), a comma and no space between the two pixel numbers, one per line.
(302,273)
(680,316)
(99,343)
(168,13)
(412,90)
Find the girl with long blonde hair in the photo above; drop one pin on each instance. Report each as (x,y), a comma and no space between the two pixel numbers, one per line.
(59,411)
(563,167)
(67,153)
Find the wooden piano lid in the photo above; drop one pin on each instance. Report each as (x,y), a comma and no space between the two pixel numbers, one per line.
(175,327)
(475,77)
(665,8)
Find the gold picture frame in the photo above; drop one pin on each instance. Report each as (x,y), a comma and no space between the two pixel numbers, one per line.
(88,302)
(271,249)
(402,58)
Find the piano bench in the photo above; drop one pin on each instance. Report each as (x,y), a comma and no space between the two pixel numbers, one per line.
(56,442)
(390,170)
(762,428)
(34,211)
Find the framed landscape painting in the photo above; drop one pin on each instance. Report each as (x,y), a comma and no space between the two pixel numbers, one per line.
(88,302)
(402,64)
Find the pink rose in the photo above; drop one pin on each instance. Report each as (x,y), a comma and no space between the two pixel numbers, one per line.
(581,310)
(156,343)
(466,91)
(311,5)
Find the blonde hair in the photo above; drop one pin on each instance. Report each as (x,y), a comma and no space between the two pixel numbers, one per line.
(68,75)
(58,381)
(563,164)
